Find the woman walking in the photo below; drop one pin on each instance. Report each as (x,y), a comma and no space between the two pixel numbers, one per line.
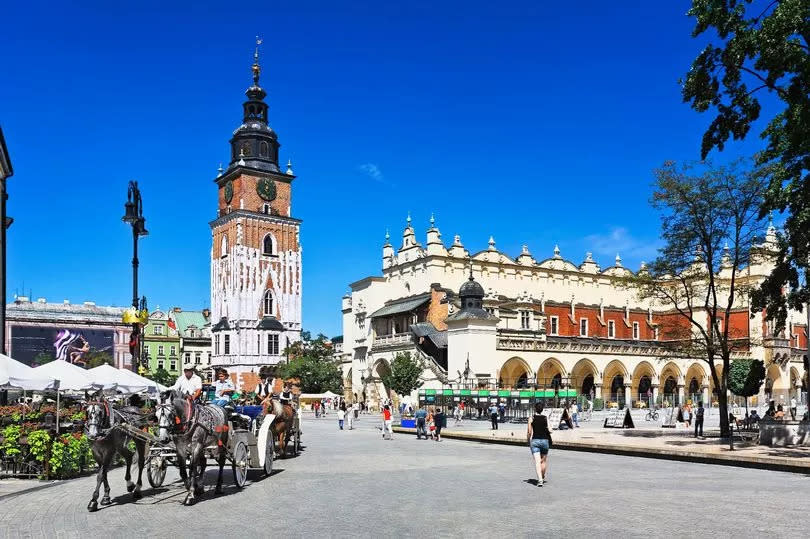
(341,414)
(388,432)
(539,439)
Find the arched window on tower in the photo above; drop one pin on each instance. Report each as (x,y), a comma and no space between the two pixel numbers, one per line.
(223,251)
(268,303)
(269,245)
(263,149)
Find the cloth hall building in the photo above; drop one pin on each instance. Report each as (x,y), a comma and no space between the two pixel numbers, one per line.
(490,320)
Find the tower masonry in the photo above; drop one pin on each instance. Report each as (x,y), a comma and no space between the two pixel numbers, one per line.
(256,251)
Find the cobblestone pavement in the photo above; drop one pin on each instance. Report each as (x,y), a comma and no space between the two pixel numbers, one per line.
(354,484)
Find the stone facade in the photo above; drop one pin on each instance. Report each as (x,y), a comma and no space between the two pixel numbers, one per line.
(161,343)
(557,323)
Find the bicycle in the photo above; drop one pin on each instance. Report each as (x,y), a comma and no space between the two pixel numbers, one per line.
(652,415)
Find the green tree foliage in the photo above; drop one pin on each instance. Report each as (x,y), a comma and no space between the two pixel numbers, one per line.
(709,224)
(310,360)
(745,377)
(95,358)
(405,373)
(162,376)
(762,47)
(42,358)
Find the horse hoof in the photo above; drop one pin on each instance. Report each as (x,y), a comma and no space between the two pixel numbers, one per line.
(106,500)
(189,501)
(130,487)
(92,506)
(137,495)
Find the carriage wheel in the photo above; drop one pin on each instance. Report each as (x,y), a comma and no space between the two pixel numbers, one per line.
(156,471)
(239,462)
(269,453)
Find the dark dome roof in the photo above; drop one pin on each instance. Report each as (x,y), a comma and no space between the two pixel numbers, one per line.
(471,289)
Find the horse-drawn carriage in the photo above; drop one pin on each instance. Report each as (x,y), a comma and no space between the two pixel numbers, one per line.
(188,435)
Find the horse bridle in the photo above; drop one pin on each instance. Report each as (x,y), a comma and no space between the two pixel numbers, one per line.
(104,412)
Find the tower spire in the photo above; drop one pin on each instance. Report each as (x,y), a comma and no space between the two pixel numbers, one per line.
(256,68)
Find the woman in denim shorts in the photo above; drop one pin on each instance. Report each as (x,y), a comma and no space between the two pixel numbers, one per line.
(539,439)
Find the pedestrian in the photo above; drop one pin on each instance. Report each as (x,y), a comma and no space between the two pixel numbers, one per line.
(687,415)
(441,421)
(793,408)
(457,415)
(502,412)
(317,406)
(350,417)
(493,415)
(699,420)
(539,439)
(431,424)
(421,423)
(780,413)
(388,433)
(575,413)
(356,410)
(771,411)
(341,414)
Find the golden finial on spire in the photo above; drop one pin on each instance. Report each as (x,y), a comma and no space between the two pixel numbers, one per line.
(256,68)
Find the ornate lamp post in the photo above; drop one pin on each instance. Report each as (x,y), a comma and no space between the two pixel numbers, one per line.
(133,214)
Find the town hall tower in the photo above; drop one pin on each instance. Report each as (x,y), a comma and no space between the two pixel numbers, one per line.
(256,252)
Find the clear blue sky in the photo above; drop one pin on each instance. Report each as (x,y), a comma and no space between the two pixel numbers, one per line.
(533,122)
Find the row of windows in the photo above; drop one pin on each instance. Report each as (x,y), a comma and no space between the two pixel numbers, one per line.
(268,243)
(272,347)
(162,350)
(197,358)
(554,328)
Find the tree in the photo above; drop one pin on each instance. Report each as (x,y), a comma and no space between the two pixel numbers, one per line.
(405,374)
(763,49)
(95,358)
(311,362)
(710,226)
(162,377)
(42,358)
(745,377)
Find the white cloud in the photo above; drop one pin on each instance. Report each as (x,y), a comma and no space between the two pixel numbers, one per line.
(372,171)
(619,240)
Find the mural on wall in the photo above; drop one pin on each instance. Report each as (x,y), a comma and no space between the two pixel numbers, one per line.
(35,345)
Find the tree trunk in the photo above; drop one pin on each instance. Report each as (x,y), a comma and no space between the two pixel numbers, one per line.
(722,399)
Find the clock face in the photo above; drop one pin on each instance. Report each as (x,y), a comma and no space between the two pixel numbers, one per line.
(229,192)
(266,188)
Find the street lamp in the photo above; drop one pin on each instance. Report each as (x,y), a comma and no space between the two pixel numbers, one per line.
(6,170)
(133,214)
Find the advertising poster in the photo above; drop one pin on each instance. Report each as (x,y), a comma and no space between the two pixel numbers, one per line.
(37,345)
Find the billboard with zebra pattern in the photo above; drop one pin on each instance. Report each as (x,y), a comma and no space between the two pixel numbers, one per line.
(35,345)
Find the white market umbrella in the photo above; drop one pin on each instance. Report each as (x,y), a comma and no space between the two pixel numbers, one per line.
(70,376)
(151,385)
(107,374)
(14,374)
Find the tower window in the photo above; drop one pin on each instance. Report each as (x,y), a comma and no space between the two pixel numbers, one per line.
(268,303)
(223,251)
(611,329)
(266,209)
(268,245)
(227,344)
(263,149)
(272,344)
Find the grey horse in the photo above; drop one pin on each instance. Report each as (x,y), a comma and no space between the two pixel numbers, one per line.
(198,427)
(103,428)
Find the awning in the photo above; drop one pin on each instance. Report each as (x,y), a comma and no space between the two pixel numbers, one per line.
(270,323)
(401,306)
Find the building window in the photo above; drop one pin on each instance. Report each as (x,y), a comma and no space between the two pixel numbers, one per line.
(227,345)
(216,344)
(172,350)
(173,364)
(524,319)
(223,250)
(266,209)
(191,333)
(263,149)
(553,325)
(361,322)
(635,331)
(583,327)
(197,358)
(719,327)
(188,357)
(160,350)
(160,363)
(268,245)
(157,330)
(611,329)
(272,344)
(268,303)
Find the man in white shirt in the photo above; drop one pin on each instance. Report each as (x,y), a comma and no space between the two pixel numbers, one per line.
(188,383)
(793,408)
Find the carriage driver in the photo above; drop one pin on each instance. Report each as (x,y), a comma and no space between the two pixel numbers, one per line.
(286,394)
(223,388)
(188,383)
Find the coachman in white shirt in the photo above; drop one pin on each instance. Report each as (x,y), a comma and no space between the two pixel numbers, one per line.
(188,383)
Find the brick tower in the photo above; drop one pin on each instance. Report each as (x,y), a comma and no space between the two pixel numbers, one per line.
(256,253)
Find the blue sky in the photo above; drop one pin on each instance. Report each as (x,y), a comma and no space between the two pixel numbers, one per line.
(533,122)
